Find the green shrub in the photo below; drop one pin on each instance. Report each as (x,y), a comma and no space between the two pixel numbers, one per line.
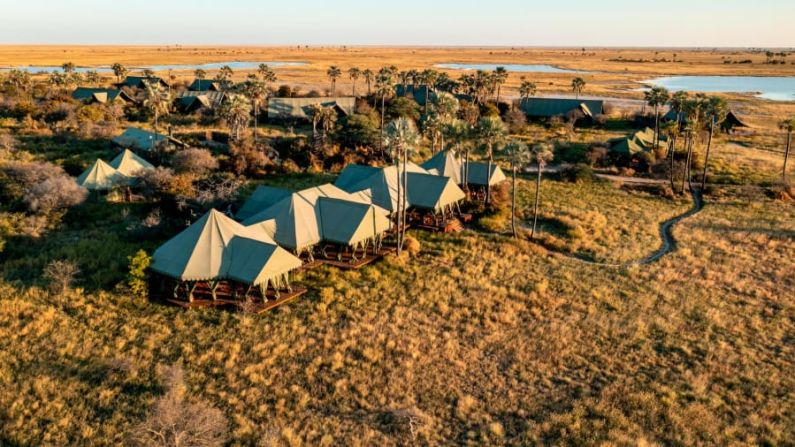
(577,173)
(137,278)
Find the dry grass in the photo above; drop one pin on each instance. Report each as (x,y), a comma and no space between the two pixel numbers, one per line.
(480,340)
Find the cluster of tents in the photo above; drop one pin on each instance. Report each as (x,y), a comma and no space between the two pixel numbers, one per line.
(639,142)
(122,171)
(277,231)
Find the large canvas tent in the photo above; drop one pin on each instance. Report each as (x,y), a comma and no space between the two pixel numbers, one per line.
(216,248)
(300,108)
(639,142)
(190,101)
(142,140)
(552,107)
(129,164)
(100,95)
(448,164)
(140,81)
(101,176)
(297,219)
(429,192)
(203,85)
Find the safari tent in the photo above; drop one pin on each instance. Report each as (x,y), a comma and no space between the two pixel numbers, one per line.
(215,249)
(190,101)
(382,182)
(142,140)
(639,142)
(91,95)
(204,85)
(101,177)
(303,219)
(129,164)
(300,108)
(448,164)
(140,81)
(560,107)
(479,174)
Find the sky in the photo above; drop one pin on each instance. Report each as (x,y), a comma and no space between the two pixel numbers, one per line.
(688,23)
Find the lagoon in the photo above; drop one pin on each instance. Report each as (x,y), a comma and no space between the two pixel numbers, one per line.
(518,68)
(775,88)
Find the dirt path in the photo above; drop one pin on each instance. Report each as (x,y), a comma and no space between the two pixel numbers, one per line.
(666,236)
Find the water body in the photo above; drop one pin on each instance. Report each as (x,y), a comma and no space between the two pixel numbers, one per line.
(775,88)
(236,65)
(517,68)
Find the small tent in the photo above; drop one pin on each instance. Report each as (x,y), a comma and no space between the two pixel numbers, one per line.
(129,164)
(100,95)
(382,182)
(142,140)
(479,174)
(432,192)
(101,177)
(348,223)
(446,164)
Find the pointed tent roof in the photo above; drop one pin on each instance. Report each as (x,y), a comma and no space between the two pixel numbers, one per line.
(549,107)
(100,95)
(262,198)
(350,223)
(142,140)
(296,222)
(446,164)
(101,176)
(201,252)
(382,182)
(128,163)
(477,174)
(432,192)
(201,85)
(255,262)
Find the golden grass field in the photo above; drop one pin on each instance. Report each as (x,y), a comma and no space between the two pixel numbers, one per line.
(615,79)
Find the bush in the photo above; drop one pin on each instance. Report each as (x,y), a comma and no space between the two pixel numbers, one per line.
(54,194)
(194,161)
(403,108)
(516,121)
(577,173)
(137,278)
(412,246)
(247,158)
(60,275)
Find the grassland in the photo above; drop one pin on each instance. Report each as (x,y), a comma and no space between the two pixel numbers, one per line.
(480,340)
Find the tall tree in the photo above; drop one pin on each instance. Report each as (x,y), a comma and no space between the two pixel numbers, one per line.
(199,74)
(715,110)
(368,78)
(257,93)
(694,111)
(68,67)
(500,78)
(490,131)
(384,88)
(119,70)
(354,73)
(787,126)
(428,79)
(519,154)
(236,111)
(542,154)
(225,74)
(527,89)
(157,100)
(333,73)
(657,97)
(402,138)
(458,131)
(577,86)
(267,74)
(671,130)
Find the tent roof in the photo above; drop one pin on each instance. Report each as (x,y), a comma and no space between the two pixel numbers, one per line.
(350,223)
(382,182)
(478,176)
(297,108)
(101,95)
(255,262)
(128,163)
(352,175)
(446,164)
(101,176)
(416,92)
(201,85)
(138,81)
(207,98)
(262,198)
(549,107)
(201,252)
(432,192)
(142,140)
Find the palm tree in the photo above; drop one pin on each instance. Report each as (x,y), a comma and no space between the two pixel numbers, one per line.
(694,110)
(671,130)
(119,70)
(157,100)
(92,77)
(577,86)
(333,73)
(267,74)
(716,110)
(429,79)
(458,132)
(20,80)
(656,97)
(542,154)
(225,74)
(446,106)
(383,85)
(500,77)
(787,126)
(199,74)
(519,154)
(368,78)
(257,93)
(526,90)
(402,138)
(355,73)
(490,131)
(236,111)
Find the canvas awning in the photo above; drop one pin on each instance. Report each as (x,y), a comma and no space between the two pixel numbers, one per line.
(446,164)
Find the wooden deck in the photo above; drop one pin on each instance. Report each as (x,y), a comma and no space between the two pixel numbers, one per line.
(347,263)
(255,305)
